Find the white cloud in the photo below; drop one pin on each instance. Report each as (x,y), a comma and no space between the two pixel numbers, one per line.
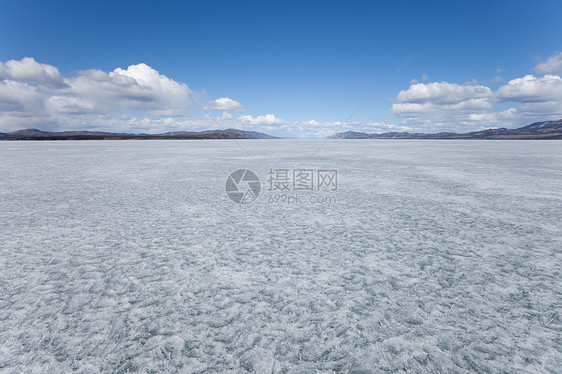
(167,113)
(537,98)
(225,104)
(133,99)
(450,106)
(532,112)
(423,78)
(140,99)
(442,105)
(381,127)
(29,70)
(443,93)
(510,113)
(552,66)
(532,89)
(466,105)
(19,97)
(33,94)
(268,119)
(139,87)
(70,105)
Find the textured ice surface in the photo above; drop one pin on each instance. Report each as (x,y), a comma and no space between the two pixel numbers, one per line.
(439,256)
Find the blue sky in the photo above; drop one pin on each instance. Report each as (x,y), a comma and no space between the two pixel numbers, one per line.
(287,68)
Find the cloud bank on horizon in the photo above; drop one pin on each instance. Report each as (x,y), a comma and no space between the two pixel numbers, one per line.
(140,99)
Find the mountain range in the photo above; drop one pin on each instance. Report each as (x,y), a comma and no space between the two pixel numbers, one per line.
(537,130)
(34,134)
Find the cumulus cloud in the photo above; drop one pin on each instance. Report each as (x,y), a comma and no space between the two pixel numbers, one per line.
(268,119)
(140,99)
(537,98)
(70,105)
(168,113)
(312,122)
(225,104)
(551,66)
(450,106)
(381,127)
(19,97)
(133,99)
(138,87)
(423,78)
(34,94)
(29,70)
(444,105)
(443,93)
(532,89)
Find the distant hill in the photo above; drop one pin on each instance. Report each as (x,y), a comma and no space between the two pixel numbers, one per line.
(34,134)
(537,130)
(255,134)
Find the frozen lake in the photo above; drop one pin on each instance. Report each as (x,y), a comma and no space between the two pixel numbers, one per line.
(438,256)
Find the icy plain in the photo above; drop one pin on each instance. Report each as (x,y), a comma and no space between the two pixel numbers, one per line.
(438,256)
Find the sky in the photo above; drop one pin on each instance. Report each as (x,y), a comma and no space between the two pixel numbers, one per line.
(302,69)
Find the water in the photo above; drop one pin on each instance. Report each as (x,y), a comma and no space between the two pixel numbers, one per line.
(438,256)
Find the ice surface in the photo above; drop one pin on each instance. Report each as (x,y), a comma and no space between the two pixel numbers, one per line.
(439,256)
